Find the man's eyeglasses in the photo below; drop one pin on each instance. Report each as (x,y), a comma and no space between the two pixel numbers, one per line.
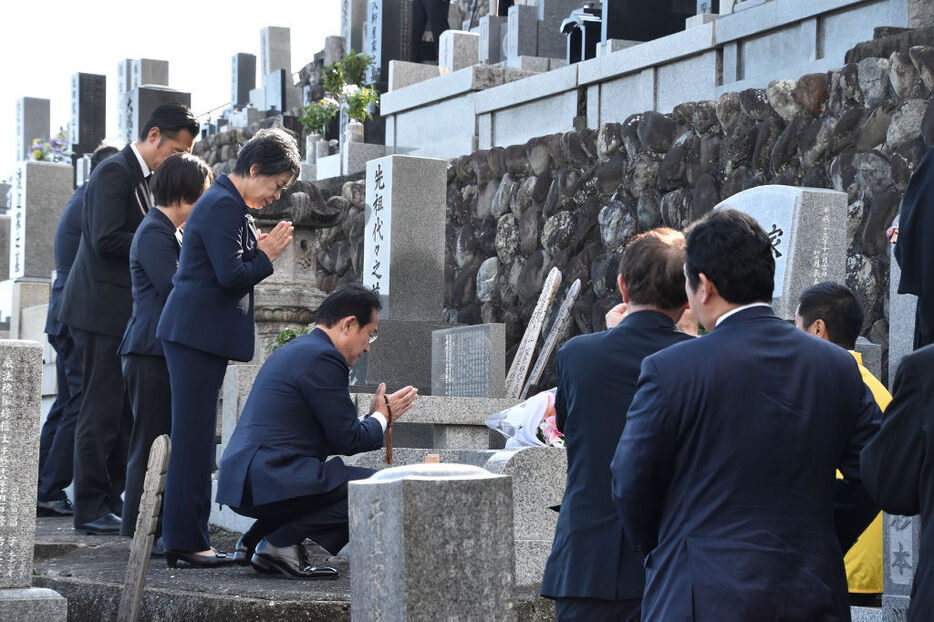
(373,338)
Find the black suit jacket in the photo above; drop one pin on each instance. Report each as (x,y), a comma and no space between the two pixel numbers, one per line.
(153,262)
(211,306)
(898,466)
(597,374)
(97,296)
(67,237)
(726,472)
(299,412)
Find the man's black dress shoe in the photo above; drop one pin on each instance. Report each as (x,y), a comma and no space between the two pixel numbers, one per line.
(56,507)
(106,525)
(197,561)
(243,554)
(292,561)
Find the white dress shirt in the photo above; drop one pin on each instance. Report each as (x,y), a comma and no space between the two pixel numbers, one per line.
(741,308)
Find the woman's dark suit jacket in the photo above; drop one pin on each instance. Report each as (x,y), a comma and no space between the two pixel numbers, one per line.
(211,306)
(153,262)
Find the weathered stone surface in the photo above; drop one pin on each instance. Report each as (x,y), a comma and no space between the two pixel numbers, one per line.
(656,131)
(486,279)
(496,158)
(504,195)
(629,134)
(754,103)
(882,210)
(539,158)
(815,140)
(811,93)
(676,209)
(558,231)
(706,196)
(574,147)
(672,167)
(648,210)
(507,237)
(737,146)
(922,57)
(903,161)
(874,80)
(704,119)
(766,136)
(927,125)
(465,246)
(843,170)
(781,96)
(902,74)
(529,229)
(844,130)
(517,160)
(644,173)
(610,174)
(603,271)
(523,196)
(531,277)
(617,225)
(906,122)
(786,147)
(849,83)
(609,140)
(562,189)
(873,130)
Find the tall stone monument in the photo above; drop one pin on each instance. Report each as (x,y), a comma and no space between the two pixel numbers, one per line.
(807,228)
(32,121)
(242,78)
(40,192)
(88,112)
(133,73)
(387,35)
(432,542)
(140,102)
(20,412)
(353,16)
(275,51)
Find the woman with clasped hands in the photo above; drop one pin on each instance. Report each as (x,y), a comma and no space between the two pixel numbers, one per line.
(208,319)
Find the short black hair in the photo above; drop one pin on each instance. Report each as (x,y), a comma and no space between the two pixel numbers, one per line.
(273,151)
(734,252)
(653,268)
(100,154)
(838,307)
(351,299)
(180,177)
(171,119)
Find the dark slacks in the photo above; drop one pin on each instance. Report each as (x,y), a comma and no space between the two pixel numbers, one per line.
(322,518)
(147,384)
(597,610)
(57,441)
(433,13)
(102,430)
(196,378)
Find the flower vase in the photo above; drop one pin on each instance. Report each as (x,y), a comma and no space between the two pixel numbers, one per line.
(311,147)
(353,133)
(322,149)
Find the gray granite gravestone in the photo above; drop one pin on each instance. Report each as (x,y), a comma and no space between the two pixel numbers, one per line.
(458,49)
(807,227)
(40,192)
(871,353)
(88,111)
(275,51)
(141,101)
(20,412)
(469,361)
(403,257)
(32,121)
(522,31)
(386,36)
(432,542)
(353,16)
(242,78)
(276,83)
(902,311)
(492,28)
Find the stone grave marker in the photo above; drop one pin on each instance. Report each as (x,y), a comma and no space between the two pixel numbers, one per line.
(353,16)
(275,51)
(32,121)
(403,257)
(522,31)
(386,36)
(242,78)
(557,329)
(520,364)
(902,312)
(458,49)
(150,506)
(432,542)
(276,83)
(40,192)
(551,43)
(20,412)
(88,112)
(492,28)
(469,361)
(141,101)
(807,227)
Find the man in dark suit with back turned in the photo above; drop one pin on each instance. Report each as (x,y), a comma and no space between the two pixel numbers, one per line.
(898,466)
(96,306)
(725,472)
(593,572)
(57,441)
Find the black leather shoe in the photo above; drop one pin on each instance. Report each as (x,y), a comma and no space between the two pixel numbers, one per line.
(106,525)
(292,561)
(243,554)
(57,507)
(158,550)
(197,561)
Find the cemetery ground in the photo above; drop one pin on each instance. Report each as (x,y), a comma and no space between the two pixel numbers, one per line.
(89,572)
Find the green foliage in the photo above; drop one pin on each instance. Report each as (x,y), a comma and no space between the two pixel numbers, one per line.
(354,67)
(359,102)
(316,116)
(286,336)
(333,79)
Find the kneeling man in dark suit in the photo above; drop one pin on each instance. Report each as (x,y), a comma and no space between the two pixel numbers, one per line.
(593,572)
(299,412)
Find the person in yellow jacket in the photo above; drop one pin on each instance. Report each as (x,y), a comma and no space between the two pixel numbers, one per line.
(830,311)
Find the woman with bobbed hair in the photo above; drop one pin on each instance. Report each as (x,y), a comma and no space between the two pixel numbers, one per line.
(208,320)
(176,185)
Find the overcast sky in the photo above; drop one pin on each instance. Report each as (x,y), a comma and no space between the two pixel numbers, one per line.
(43,42)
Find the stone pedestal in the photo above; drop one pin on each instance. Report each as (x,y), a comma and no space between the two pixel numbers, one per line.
(26,294)
(458,49)
(432,542)
(20,412)
(355,155)
(469,361)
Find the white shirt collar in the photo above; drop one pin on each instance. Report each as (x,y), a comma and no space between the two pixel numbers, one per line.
(142,162)
(742,308)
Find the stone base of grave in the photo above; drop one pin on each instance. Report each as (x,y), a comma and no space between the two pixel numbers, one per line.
(866,614)
(34,603)
(399,340)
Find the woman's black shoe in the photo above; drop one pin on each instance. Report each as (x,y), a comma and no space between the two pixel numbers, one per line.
(243,555)
(198,561)
(292,561)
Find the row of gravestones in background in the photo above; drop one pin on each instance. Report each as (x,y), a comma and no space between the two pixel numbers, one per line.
(574,200)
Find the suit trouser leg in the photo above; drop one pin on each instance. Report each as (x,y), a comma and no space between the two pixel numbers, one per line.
(147,383)
(98,427)
(55,472)
(54,417)
(597,610)
(196,379)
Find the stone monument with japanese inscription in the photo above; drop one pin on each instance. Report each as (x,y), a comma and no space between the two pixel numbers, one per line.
(469,361)
(140,102)
(40,192)
(20,412)
(353,15)
(807,227)
(386,36)
(242,78)
(88,112)
(275,51)
(32,121)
